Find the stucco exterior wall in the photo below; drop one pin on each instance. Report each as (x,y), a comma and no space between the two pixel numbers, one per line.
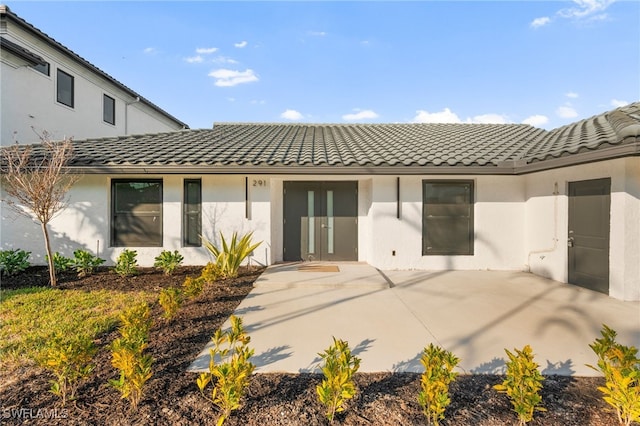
(546,222)
(520,221)
(29,100)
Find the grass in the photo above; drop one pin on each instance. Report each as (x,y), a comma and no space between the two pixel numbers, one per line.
(30,317)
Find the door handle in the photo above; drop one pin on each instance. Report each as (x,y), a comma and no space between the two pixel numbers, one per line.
(570,242)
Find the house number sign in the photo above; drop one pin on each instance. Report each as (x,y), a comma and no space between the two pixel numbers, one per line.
(259,182)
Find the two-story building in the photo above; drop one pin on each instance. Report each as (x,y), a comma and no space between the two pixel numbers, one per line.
(46,87)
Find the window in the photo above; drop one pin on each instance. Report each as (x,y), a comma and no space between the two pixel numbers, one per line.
(108,109)
(43,68)
(64,89)
(447,217)
(192,213)
(136,207)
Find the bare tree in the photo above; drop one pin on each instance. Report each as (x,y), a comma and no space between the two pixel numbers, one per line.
(36,179)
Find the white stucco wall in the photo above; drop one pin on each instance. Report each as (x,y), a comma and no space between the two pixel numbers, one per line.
(520,221)
(29,100)
(547,227)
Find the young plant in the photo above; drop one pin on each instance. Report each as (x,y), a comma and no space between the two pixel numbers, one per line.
(230,366)
(170,299)
(192,287)
(210,273)
(13,261)
(620,366)
(85,263)
(232,254)
(127,353)
(127,264)
(434,382)
(338,369)
(68,358)
(523,384)
(168,261)
(60,262)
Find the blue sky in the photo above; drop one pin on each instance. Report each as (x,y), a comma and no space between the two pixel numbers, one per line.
(544,63)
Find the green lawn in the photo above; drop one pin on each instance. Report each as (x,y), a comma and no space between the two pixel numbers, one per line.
(30,317)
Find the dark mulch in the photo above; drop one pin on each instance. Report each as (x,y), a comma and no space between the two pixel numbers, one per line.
(172,398)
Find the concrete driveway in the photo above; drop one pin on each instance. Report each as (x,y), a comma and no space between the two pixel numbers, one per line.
(388,317)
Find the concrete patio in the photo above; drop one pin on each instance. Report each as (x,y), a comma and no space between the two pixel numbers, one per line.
(388,317)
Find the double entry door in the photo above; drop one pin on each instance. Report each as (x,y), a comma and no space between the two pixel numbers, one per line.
(320,221)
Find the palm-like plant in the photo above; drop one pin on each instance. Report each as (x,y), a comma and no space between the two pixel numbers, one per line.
(231,255)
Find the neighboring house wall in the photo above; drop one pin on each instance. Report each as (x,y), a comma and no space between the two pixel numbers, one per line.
(28,100)
(546,222)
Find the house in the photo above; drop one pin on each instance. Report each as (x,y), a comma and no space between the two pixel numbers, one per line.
(48,88)
(563,204)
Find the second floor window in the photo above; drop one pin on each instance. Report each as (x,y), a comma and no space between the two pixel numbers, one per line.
(64,89)
(108,109)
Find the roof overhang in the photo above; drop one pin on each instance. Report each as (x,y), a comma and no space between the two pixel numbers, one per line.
(22,53)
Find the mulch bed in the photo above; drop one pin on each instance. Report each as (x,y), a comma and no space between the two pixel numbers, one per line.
(172,397)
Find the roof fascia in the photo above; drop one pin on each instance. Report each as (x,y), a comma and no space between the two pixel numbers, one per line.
(21,52)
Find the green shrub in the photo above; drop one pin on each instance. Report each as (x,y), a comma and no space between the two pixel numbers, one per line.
(127,263)
(523,384)
(170,299)
(337,386)
(127,353)
(231,255)
(192,287)
(210,273)
(621,369)
(60,262)
(233,370)
(85,263)
(13,261)
(168,261)
(434,382)
(68,357)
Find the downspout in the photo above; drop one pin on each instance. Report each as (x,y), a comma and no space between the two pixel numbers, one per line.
(126,114)
(555,231)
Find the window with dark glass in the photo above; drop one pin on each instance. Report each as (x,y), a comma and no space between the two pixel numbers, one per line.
(44,68)
(192,213)
(64,89)
(136,206)
(108,109)
(447,223)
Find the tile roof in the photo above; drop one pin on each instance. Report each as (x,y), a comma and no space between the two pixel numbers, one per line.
(6,13)
(366,148)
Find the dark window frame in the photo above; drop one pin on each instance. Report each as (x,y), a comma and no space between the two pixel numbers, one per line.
(112,109)
(427,222)
(115,239)
(59,98)
(44,68)
(189,214)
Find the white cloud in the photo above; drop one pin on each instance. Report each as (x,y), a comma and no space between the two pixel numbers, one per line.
(366,114)
(572,95)
(194,59)
(540,22)
(617,103)
(150,51)
(586,9)
(566,111)
(228,78)
(291,114)
(489,119)
(444,116)
(206,50)
(317,33)
(536,120)
(241,44)
(231,99)
(257,102)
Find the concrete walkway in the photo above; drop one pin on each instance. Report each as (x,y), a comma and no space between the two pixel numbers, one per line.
(389,317)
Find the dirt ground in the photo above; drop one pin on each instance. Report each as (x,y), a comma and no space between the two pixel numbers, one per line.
(172,397)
